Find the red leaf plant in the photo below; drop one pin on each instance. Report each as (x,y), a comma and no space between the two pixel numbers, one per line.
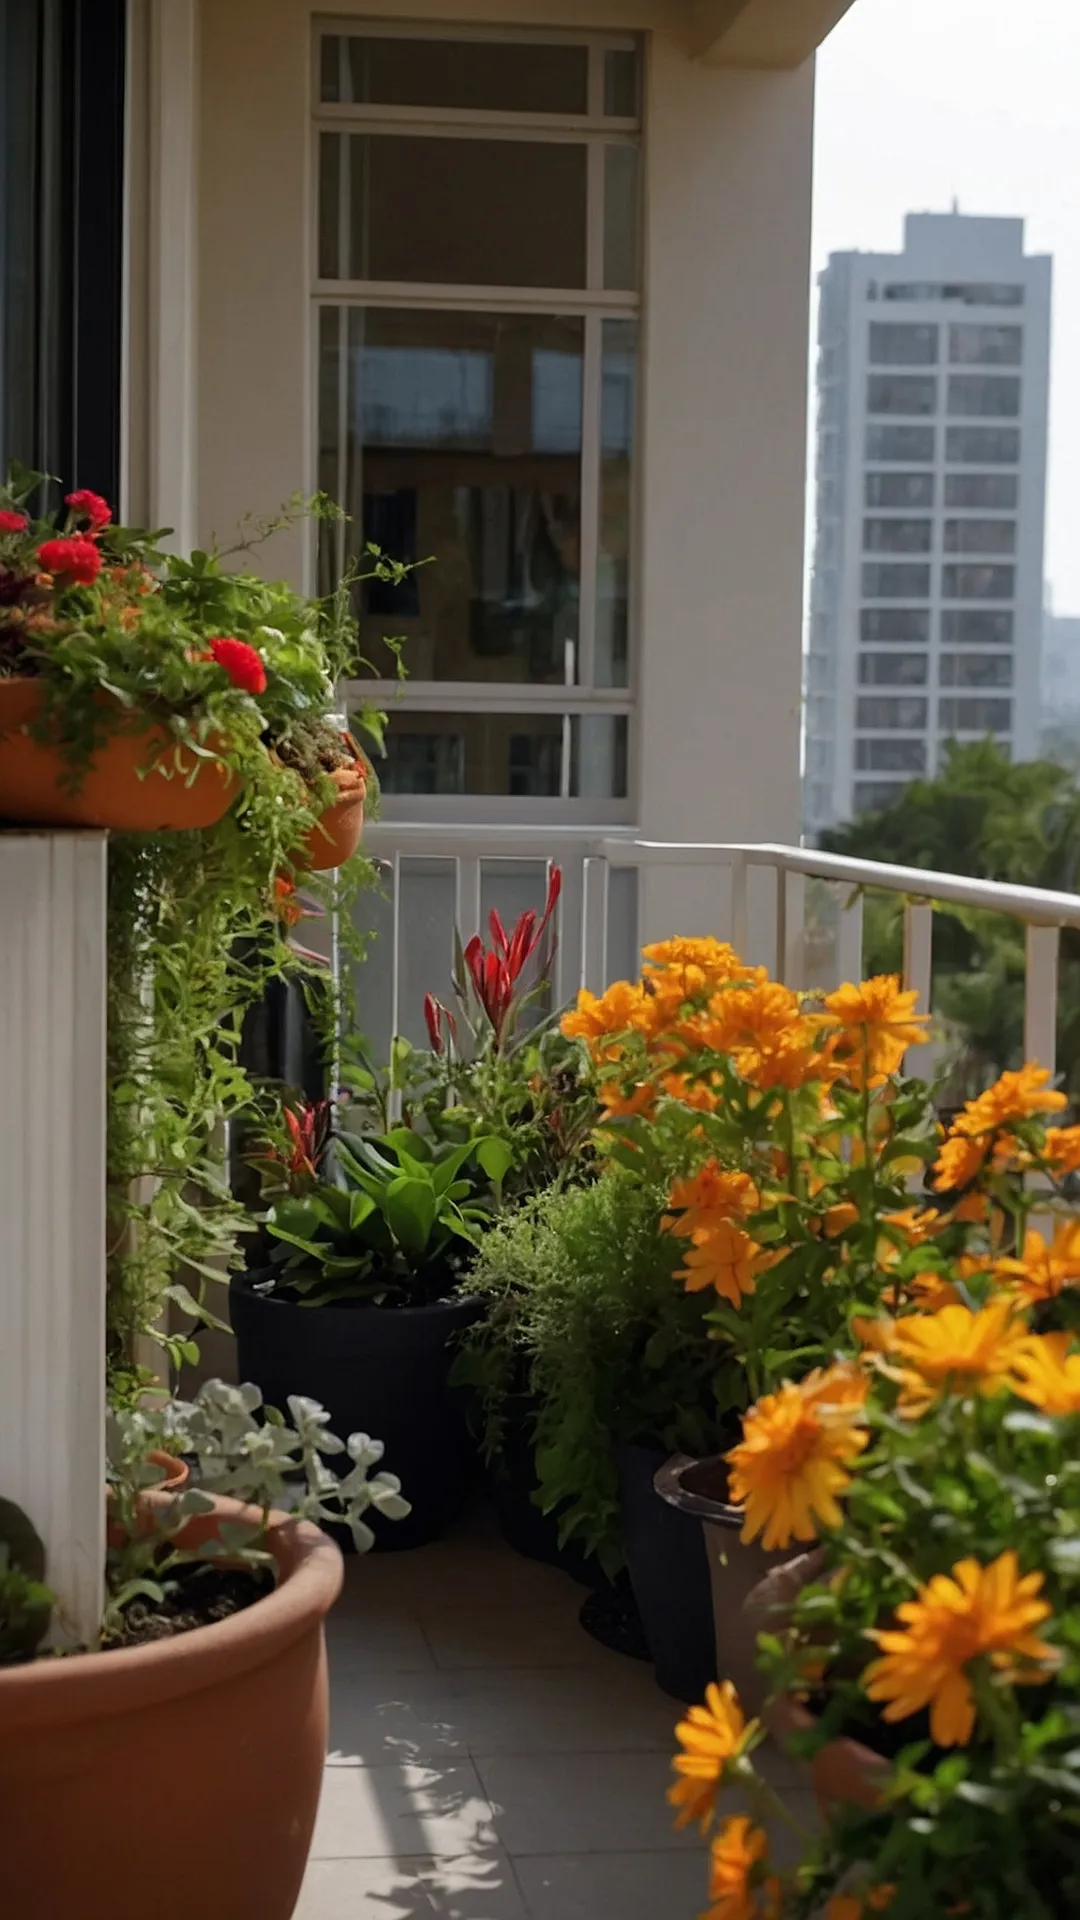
(498,974)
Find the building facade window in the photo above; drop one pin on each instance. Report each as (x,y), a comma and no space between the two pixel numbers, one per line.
(899,444)
(985,396)
(982,346)
(901,393)
(898,345)
(975,716)
(909,625)
(890,756)
(982,446)
(477,284)
(893,669)
(978,583)
(977,629)
(971,293)
(897,536)
(883,580)
(899,489)
(976,670)
(896,713)
(996,491)
(874,796)
(980,536)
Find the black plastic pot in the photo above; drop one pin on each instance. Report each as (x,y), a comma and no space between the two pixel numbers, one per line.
(669,1572)
(512,1481)
(377,1370)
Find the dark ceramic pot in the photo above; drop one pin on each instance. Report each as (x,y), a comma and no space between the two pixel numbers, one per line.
(669,1573)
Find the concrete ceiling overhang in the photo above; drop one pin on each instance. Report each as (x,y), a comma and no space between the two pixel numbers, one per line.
(760,33)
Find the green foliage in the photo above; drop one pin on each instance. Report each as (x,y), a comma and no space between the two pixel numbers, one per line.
(25,1600)
(399,1228)
(584,1318)
(991,819)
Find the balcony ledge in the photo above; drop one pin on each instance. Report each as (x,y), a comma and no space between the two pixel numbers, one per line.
(779,34)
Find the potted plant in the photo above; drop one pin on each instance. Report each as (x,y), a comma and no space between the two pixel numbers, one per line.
(211,1653)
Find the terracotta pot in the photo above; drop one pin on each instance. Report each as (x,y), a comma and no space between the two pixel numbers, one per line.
(175,1475)
(116,790)
(699,1487)
(235,1714)
(337,833)
(843,1771)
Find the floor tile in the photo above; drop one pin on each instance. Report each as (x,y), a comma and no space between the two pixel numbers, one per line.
(377,1643)
(432,1718)
(511,1636)
(580,1803)
(475,1887)
(614,1886)
(375,1812)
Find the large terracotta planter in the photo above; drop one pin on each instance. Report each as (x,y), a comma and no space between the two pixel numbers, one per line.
(231,1719)
(336,834)
(116,791)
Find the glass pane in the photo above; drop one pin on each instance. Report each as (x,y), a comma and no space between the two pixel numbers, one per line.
(331,151)
(463,451)
(621,222)
(496,213)
(509,755)
(477,76)
(621,84)
(328,478)
(613,573)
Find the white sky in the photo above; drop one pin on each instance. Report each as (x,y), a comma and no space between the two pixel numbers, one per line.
(919,100)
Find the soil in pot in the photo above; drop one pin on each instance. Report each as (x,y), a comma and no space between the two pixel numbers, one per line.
(377,1370)
(669,1573)
(328,751)
(195,1595)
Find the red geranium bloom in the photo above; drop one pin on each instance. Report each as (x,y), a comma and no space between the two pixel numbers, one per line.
(74,561)
(90,506)
(241,663)
(11,522)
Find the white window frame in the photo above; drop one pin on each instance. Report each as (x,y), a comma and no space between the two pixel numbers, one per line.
(593,304)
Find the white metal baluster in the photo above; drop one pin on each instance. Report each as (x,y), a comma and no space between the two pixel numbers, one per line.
(1041,995)
(595,935)
(739,916)
(569,961)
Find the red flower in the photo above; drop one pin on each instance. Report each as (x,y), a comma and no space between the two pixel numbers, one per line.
(75,561)
(434,1014)
(11,522)
(241,663)
(492,981)
(90,506)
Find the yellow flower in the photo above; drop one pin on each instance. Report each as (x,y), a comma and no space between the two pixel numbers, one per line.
(695,1093)
(622,1009)
(790,1061)
(712,1738)
(978,1611)
(931,1291)
(620,1105)
(878,1024)
(955,1351)
(793,1460)
(715,960)
(751,1017)
(839,1218)
(916,1224)
(841,1386)
(725,1257)
(709,1198)
(1016,1096)
(737,1850)
(1047,1372)
(1062,1149)
(1044,1271)
(958,1164)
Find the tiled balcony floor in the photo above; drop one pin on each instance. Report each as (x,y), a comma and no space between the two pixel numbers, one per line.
(488,1761)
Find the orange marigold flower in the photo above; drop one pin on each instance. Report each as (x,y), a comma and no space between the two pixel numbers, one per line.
(715,959)
(708,1198)
(1047,1372)
(1044,1270)
(972,1210)
(713,1738)
(955,1351)
(793,1461)
(931,1291)
(958,1164)
(737,1851)
(878,1024)
(692,1092)
(620,1105)
(789,1061)
(1062,1149)
(842,1386)
(1016,1096)
(839,1218)
(725,1257)
(916,1224)
(621,1010)
(752,1017)
(977,1611)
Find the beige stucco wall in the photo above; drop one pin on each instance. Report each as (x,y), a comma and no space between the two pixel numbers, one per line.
(728,222)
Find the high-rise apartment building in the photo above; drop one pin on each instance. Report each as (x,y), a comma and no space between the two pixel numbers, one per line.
(926,600)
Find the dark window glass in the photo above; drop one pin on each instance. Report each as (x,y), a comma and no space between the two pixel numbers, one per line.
(518,756)
(1000,490)
(976,670)
(984,396)
(976,346)
(975,716)
(874,796)
(911,624)
(890,756)
(899,443)
(899,489)
(897,536)
(980,536)
(983,446)
(883,580)
(475,76)
(902,346)
(893,669)
(901,393)
(978,583)
(884,711)
(982,629)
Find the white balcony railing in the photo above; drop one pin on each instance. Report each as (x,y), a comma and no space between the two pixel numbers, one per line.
(754,895)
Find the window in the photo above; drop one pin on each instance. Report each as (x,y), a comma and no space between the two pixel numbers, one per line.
(982,629)
(462,420)
(901,393)
(975,716)
(892,669)
(996,490)
(904,624)
(890,756)
(899,490)
(902,346)
(897,536)
(978,583)
(980,536)
(874,796)
(898,712)
(883,581)
(983,446)
(975,346)
(976,670)
(984,396)
(914,444)
(970,293)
